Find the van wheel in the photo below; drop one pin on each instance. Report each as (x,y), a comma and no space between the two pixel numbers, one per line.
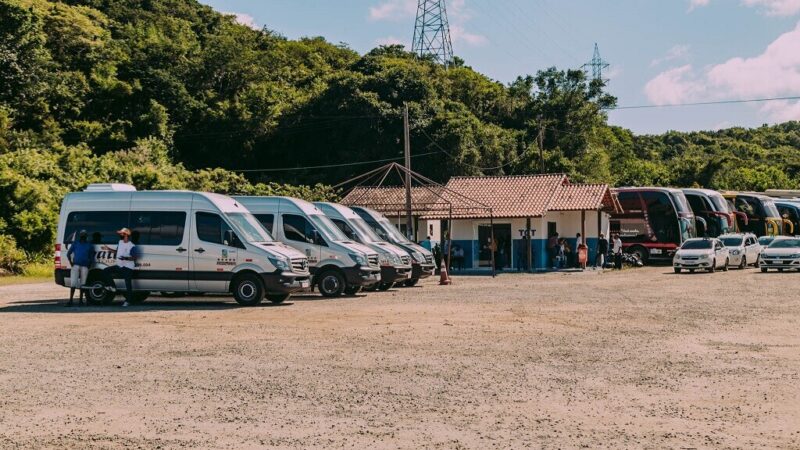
(248,290)
(97,290)
(725,267)
(277,299)
(139,297)
(352,290)
(411,282)
(385,286)
(331,284)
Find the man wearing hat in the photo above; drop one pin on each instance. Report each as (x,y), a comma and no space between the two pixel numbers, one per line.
(80,256)
(126,257)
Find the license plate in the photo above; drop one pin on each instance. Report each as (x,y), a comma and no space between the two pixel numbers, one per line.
(655,251)
(304,284)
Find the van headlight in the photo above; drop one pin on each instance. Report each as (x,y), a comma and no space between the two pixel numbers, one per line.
(360,259)
(418,257)
(396,261)
(281,263)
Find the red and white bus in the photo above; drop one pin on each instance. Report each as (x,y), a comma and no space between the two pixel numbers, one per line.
(654,221)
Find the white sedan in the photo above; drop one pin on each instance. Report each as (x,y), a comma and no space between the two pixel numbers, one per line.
(701,254)
(743,249)
(782,254)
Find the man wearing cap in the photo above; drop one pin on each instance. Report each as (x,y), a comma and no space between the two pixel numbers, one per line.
(80,256)
(126,257)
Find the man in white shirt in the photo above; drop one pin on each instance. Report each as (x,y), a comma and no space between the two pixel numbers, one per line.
(126,261)
(617,249)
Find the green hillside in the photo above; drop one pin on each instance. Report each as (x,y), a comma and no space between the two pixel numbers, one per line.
(169,93)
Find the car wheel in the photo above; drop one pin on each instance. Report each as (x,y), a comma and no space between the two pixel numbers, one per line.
(743,264)
(248,290)
(727,263)
(764,270)
(677,270)
(277,299)
(331,284)
(411,282)
(713,267)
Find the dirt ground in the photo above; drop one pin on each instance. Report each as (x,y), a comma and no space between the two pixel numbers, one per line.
(643,358)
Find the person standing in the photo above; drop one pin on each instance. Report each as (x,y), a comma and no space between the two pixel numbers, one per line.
(126,261)
(617,249)
(574,255)
(602,251)
(552,244)
(80,256)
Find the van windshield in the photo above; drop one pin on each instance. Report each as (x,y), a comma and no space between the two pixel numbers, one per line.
(364,231)
(249,227)
(328,229)
(393,232)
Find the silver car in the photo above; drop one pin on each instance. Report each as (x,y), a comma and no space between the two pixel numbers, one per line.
(701,254)
(743,249)
(782,254)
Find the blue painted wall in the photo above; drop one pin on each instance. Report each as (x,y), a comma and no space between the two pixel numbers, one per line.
(541,259)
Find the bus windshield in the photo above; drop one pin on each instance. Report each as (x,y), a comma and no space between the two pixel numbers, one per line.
(770,209)
(250,228)
(719,203)
(680,202)
(327,228)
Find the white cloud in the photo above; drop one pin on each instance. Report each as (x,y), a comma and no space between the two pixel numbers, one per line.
(243,19)
(394,10)
(773,73)
(457,11)
(390,40)
(676,52)
(768,7)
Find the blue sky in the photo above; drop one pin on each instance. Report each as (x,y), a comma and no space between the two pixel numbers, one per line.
(661,51)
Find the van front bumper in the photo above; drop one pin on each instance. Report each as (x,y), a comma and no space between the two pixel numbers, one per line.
(362,276)
(285,282)
(420,271)
(395,274)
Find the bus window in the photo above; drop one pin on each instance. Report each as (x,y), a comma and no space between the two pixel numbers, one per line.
(663,217)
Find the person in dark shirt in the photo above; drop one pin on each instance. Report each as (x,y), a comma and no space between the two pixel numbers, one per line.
(602,251)
(80,256)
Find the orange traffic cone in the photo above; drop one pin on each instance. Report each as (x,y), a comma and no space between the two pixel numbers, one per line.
(444,279)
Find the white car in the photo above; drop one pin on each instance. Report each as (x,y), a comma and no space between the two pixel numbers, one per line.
(743,249)
(782,253)
(701,254)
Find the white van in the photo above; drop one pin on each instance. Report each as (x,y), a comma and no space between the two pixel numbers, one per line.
(338,264)
(395,262)
(188,242)
(422,266)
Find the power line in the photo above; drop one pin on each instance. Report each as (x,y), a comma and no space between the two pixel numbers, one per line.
(718,102)
(329,166)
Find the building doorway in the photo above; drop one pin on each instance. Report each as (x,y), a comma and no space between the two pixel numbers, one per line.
(502,235)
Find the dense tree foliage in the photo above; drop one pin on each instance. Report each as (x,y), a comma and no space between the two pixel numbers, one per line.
(171,94)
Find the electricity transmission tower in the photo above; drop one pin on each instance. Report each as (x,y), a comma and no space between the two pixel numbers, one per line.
(596,64)
(432,32)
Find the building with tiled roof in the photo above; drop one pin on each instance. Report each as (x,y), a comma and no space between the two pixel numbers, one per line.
(507,205)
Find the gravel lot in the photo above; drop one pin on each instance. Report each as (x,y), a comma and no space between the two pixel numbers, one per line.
(643,358)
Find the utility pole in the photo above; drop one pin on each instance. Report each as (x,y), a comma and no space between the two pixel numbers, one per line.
(540,140)
(407,152)
(596,64)
(432,32)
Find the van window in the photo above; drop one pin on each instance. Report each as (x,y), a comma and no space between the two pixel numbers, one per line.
(298,228)
(102,226)
(267,220)
(157,227)
(346,229)
(211,228)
